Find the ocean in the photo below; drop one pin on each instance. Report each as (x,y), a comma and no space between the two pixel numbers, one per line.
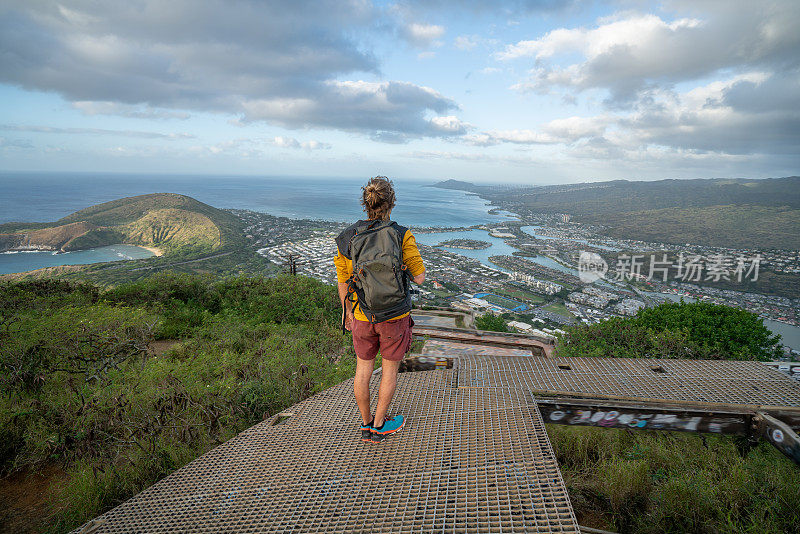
(46,197)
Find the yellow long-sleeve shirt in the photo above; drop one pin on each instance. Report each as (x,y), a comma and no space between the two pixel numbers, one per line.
(411,258)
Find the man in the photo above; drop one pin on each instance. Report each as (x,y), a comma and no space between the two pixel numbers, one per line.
(388,328)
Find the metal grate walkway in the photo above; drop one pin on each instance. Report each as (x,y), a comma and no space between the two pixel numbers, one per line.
(467,461)
(474,455)
(744,383)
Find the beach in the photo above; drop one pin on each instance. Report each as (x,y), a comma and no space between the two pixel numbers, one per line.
(154,250)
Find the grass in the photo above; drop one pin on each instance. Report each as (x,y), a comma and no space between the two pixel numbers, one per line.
(527,296)
(654,482)
(417,345)
(502,302)
(81,390)
(559,308)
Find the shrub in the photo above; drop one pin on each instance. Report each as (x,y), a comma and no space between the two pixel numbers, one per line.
(80,387)
(491,322)
(675,330)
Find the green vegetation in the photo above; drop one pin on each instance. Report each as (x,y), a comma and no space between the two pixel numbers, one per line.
(698,330)
(80,389)
(450,286)
(559,308)
(84,388)
(529,297)
(491,322)
(502,302)
(669,482)
(732,226)
(653,482)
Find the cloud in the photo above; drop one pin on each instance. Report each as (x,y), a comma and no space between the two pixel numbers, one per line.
(559,131)
(718,118)
(509,7)
(291,142)
(315,145)
(752,50)
(481,139)
(722,121)
(450,125)
(747,115)
(471,157)
(379,107)
(95,131)
(286,63)
(423,35)
(126,110)
(285,142)
(631,53)
(465,42)
(6,143)
(256,147)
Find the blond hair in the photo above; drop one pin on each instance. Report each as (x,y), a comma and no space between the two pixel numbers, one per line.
(378,197)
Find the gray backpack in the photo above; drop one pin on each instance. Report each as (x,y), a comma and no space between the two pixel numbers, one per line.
(380,278)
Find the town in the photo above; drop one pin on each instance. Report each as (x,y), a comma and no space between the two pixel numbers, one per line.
(538,287)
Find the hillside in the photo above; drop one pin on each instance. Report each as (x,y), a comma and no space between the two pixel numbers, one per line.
(194,237)
(165,220)
(718,212)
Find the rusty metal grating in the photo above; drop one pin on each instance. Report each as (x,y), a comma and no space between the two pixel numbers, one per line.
(469,460)
(725,382)
(457,349)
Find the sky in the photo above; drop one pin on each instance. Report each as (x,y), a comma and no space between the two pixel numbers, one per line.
(536,92)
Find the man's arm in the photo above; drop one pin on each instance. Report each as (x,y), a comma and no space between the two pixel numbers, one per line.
(347,311)
(343,272)
(412,258)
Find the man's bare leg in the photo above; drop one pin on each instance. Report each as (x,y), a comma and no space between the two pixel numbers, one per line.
(386,391)
(361,387)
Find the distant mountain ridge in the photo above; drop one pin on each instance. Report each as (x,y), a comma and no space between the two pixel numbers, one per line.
(734,213)
(168,221)
(591,197)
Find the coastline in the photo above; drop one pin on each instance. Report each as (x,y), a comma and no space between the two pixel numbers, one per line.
(154,250)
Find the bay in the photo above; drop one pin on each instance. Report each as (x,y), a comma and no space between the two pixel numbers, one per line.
(498,246)
(20,261)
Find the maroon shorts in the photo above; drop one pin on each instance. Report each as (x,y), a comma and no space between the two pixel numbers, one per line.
(393,338)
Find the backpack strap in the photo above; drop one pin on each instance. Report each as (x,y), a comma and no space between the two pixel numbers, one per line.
(348,298)
(343,239)
(407,279)
(400,230)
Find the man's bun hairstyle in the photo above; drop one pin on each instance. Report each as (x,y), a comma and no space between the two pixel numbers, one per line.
(378,197)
